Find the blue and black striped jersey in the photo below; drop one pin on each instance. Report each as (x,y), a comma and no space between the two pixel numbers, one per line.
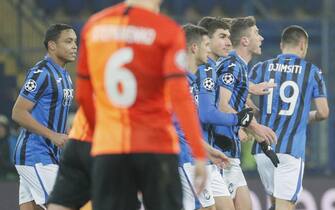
(233,75)
(209,114)
(50,88)
(185,155)
(286,108)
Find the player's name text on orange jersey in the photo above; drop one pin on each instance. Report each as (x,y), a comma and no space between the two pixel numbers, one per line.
(129,34)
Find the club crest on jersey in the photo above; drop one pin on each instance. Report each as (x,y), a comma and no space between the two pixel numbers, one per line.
(30,85)
(208,83)
(228,78)
(67,97)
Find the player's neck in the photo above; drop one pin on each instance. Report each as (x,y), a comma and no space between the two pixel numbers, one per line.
(213,56)
(244,54)
(292,51)
(191,63)
(57,60)
(145,4)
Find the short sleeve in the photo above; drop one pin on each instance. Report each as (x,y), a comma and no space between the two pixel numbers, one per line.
(228,75)
(255,74)
(319,87)
(35,84)
(175,56)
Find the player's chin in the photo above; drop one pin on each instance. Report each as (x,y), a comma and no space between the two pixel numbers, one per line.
(71,58)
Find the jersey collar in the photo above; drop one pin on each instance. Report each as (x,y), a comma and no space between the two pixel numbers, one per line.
(288,56)
(241,60)
(55,65)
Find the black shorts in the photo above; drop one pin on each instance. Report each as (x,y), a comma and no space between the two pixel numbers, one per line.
(73,183)
(118,178)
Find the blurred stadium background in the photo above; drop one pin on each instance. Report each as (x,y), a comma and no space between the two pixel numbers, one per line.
(22,26)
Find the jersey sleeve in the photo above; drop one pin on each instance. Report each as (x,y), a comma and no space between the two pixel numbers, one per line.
(35,84)
(228,77)
(255,74)
(82,66)
(319,87)
(175,56)
(208,111)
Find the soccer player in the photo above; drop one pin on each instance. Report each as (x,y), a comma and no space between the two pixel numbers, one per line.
(197,53)
(287,111)
(233,82)
(133,61)
(41,109)
(220,46)
(72,189)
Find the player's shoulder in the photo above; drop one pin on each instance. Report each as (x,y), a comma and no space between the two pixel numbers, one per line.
(206,70)
(40,68)
(109,11)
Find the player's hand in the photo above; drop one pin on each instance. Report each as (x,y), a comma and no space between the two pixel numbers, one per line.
(262,88)
(200,175)
(264,133)
(59,139)
(242,135)
(244,117)
(218,158)
(270,153)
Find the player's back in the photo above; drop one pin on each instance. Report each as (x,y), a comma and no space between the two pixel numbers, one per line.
(127,56)
(286,108)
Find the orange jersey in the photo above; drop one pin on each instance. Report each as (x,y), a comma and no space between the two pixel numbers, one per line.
(127,53)
(80,129)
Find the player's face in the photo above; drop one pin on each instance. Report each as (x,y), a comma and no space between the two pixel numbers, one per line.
(203,50)
(255,41)
(220,43)
(66,46)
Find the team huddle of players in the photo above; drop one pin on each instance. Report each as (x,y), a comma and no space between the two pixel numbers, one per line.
(134,96)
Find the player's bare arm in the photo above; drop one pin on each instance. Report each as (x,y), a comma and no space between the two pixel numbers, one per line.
(21,115)
(321,112)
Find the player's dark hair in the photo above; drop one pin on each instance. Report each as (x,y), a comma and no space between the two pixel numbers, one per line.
(194,33)
(54,31)
(239,28)
(212,24)
(292,34)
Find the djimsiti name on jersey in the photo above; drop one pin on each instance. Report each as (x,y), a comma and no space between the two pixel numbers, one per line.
(285,68)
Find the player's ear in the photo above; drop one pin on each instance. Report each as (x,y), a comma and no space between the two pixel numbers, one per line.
(281,46)
(244,41)
(194,48)
(52,45)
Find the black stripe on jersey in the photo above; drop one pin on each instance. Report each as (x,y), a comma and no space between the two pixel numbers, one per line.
(301,108)
(241,92)
(23,148)
(287,118)
(254,73)
(197,80)
(320,85)
(42,89)
(261,99)
(60,117)
(54,98)
(35,76)
(209,72)
(282,80)
(52,110)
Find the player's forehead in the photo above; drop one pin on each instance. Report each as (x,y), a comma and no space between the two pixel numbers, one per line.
(221,32)
(67,34)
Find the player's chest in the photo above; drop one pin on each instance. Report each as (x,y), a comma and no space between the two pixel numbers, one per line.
(61,90)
